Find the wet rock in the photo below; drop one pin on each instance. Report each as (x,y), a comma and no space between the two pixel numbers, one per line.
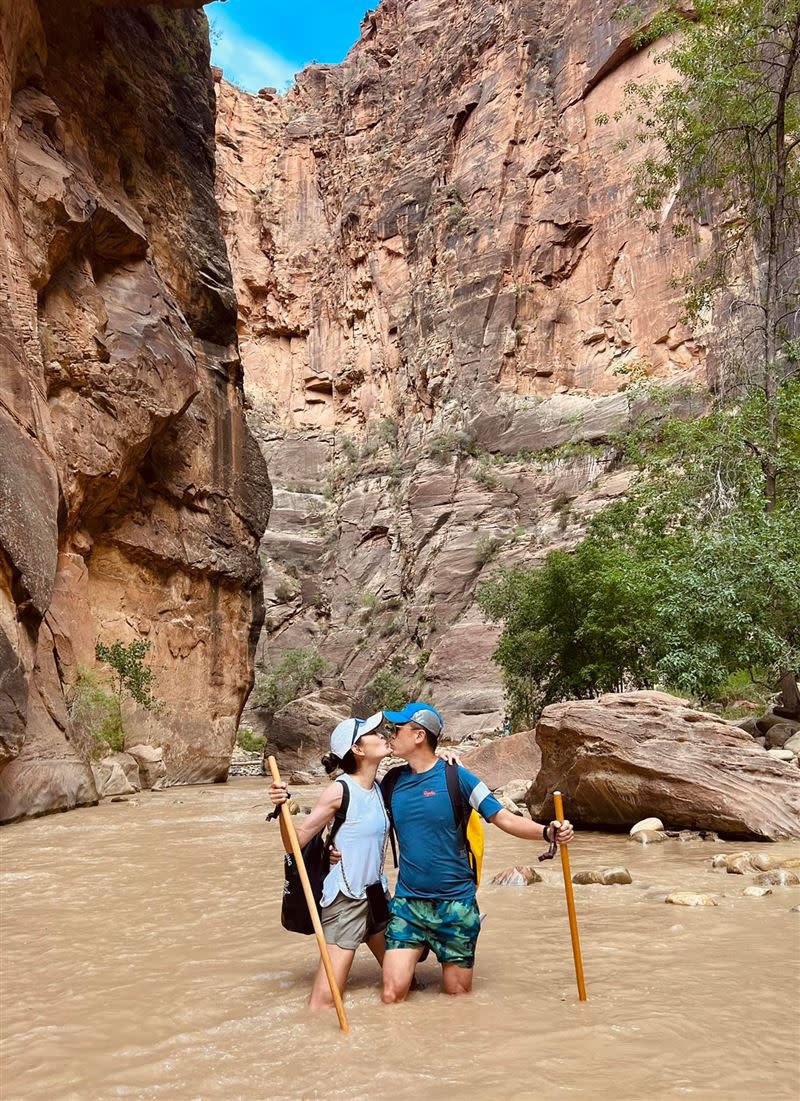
(793,744)
(516,790)
(509,804)
(150,759)
(649,837)
(651,824)
(790,862)
(617,875)
(303,777)
(778,877)
(782,755)
(294,806)
(506,759)
(780,732)
(636,753)
(749,725)
(687,898)
(739,864)
(605,876)
(129,766)
(756,892)
(110,779)
(584,878)
(518,876)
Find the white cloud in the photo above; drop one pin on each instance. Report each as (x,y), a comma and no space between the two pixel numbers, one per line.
(244,59)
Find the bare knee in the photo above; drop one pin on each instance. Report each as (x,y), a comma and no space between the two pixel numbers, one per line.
(392,994)
(454,992)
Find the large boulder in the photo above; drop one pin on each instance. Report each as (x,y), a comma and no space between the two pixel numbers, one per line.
(299,734)
(505,759)
(625,756)
(150,761)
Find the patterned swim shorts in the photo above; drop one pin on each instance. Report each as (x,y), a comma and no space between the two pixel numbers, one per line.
(449,926)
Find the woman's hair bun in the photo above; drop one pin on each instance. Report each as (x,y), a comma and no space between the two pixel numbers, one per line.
(331,763)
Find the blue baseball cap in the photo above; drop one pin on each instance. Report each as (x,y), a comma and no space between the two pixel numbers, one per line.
(420,713)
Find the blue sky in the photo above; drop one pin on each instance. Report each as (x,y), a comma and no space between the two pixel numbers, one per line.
(263,43)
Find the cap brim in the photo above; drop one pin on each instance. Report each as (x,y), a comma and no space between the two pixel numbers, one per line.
(370,723)
(397,717)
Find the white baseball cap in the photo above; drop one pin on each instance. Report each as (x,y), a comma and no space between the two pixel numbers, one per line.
(347,733)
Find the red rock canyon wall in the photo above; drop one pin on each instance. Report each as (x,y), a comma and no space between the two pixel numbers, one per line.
(132,494)
(440,287)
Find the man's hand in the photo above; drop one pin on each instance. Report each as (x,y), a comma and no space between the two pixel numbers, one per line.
(335,856)
(449,757)
(564,831)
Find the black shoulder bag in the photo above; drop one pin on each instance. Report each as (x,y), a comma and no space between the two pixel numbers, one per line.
(316,857)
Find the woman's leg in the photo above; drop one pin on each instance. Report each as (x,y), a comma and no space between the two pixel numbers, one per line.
(341,961)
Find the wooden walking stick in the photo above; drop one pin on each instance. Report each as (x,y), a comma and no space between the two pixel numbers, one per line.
(312,905)
(573,920)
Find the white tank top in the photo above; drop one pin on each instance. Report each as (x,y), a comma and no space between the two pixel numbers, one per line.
(361,840)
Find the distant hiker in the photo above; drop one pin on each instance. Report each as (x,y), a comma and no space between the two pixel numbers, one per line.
(353,907)
(434,904)
(506,726)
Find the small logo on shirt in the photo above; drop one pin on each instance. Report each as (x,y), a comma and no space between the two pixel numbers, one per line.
(430,793)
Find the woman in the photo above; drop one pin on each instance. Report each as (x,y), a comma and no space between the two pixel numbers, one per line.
(357,748)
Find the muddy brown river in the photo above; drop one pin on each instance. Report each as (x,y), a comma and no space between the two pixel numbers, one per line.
(142,957)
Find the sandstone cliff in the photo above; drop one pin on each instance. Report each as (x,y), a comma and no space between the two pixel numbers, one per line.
(441,289)
(132,495)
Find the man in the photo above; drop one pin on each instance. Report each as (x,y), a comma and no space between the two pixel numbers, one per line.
(434,903)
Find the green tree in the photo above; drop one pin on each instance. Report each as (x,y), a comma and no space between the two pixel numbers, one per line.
(685,583)
(130,674)
(722,136)
(293,676)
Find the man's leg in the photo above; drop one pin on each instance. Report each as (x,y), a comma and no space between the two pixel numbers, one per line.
(398,972)
(341,962)
(455,979)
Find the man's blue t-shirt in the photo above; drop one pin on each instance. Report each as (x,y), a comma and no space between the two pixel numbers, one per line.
(433,861)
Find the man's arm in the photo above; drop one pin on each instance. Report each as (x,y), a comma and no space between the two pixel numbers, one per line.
(529,831)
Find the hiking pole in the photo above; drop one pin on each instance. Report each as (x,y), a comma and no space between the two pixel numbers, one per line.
(312,906)
(573,920)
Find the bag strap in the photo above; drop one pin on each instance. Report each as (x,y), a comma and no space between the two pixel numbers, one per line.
(388,784)
(460,812)
(341,813)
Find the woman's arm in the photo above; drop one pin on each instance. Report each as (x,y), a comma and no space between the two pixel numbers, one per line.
(322,814)
(530,831)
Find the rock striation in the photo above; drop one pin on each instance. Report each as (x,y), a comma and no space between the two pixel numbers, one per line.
(132,494)
(627,755)
(442,300)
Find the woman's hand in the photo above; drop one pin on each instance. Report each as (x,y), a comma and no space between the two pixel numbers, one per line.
(278,793)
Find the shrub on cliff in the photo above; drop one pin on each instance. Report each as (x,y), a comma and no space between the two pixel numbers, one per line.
(387,691)
(96,710)
(296,674)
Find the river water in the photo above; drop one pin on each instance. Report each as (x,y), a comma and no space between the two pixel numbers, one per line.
(142,957)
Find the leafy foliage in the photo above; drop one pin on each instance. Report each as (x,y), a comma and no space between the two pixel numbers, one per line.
(295,674)
(686,582)
(96,717)
(249,741)
(387,691)
(130,673)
